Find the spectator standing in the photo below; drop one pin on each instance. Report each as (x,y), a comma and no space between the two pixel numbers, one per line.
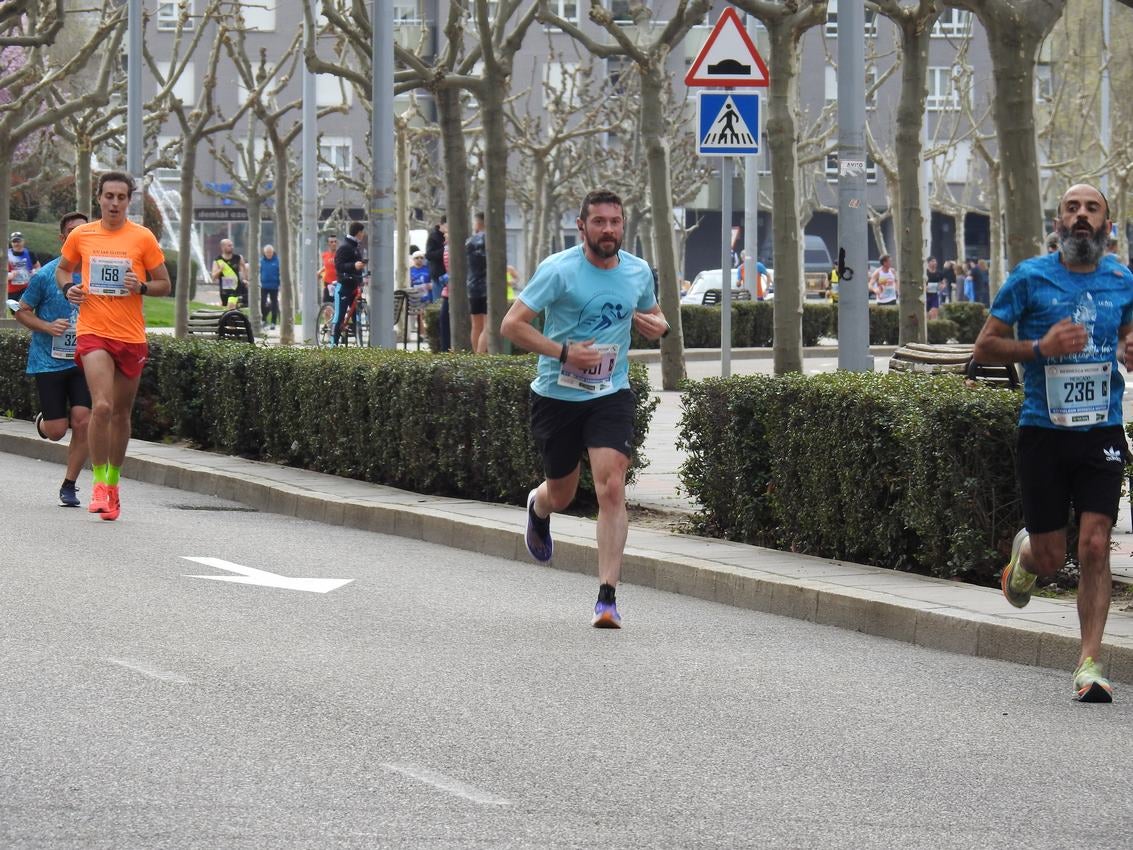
(435,255)
(446,328)
(932,279)
(269,287)
(948,282)
(21,265)
(328,277)
(476,250)
(230,273)
(981,279)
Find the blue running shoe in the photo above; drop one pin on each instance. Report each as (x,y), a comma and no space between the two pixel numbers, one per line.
(538,536)
(68,496)
(606,616)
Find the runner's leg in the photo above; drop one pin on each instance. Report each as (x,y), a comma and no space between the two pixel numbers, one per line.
(98,366)
(125,389)
(1094,582)
(77,452)
(609,467)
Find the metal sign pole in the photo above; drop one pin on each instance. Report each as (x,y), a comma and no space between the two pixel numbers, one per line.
(725,266)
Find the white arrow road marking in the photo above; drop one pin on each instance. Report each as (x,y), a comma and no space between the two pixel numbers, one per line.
(447,784)
(149,670)
(248,575)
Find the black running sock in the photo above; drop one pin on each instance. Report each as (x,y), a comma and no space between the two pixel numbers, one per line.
(606,593)
(67,482)
(542,523)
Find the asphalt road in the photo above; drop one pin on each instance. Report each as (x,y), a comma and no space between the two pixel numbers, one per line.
(444,699)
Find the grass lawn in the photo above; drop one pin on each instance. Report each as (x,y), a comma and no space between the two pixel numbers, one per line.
(159,311)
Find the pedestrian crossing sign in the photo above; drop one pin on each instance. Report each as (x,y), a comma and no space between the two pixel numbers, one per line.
(727,123)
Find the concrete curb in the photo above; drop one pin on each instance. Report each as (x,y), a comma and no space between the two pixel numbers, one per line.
(899,606)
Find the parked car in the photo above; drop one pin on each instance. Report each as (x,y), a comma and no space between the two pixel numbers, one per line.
(707,280)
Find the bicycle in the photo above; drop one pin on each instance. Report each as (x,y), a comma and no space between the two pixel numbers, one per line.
(355,324)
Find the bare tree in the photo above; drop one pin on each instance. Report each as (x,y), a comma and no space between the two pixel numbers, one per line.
(30,23)
(650,57)
(29,77)
(785,23)
(1015,30)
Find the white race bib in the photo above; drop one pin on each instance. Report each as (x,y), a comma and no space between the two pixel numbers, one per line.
(63,346)
(1077,394)
(108,275)
(597,378)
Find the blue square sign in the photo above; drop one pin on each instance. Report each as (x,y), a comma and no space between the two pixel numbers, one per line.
(727,123)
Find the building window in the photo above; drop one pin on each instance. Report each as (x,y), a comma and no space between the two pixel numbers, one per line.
(943,95)
(618,69)
(332,90)
(870,86)
(185,87)
(832,169)
(565,9)
(953,23)
(259,15)
(169,13)
(1044,82)
(336,156)
(624,11)
(832,20)
(406,12)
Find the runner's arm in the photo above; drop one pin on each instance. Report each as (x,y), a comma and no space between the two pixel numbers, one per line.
(159,283)
(26,316)
(1123,338)
(997,344)
(517,327)
(651,323)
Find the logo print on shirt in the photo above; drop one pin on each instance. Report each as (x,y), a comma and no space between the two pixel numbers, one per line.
(1112,454)
(611,313)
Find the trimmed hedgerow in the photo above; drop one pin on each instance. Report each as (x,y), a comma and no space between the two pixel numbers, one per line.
(910,472)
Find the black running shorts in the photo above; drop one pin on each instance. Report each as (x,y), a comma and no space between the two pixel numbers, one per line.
(60,390)
(564,429)
(1061,469)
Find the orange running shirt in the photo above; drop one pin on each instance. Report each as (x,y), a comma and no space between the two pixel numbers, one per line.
(109,254)
(330,274)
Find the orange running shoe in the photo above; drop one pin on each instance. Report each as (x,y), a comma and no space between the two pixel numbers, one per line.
(99,500)
(114,507)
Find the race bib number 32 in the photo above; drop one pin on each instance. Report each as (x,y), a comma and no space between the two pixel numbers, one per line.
(108,276)
(1077,394)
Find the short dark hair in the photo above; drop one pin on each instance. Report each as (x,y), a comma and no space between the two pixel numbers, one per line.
(479,216)
(356,227)
(69,217)
(333,236)
(117,177)
(598,196)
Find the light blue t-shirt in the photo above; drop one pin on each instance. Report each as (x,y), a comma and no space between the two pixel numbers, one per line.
(44,299)
(1039,293)
(585,302)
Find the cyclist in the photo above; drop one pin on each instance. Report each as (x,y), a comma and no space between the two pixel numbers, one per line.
(348,265)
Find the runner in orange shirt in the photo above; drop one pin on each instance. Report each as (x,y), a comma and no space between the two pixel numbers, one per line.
(114,256)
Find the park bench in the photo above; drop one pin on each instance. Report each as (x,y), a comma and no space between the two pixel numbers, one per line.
(712,296)
(407,310)
(220,325)
(951,359)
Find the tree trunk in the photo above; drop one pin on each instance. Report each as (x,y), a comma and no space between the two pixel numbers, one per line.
(536,243)
(83,179)
(781,138)
(910,233)
(184,238)
(283,237)
(6,152)
(995,188)
(456,174)
(254,247)
(401,205)
(495,172)
(653,82)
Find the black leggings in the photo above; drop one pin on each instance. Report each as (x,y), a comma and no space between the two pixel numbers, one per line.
(269,305)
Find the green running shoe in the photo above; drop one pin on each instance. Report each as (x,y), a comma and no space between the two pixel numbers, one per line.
(1017,583)
(1089,683)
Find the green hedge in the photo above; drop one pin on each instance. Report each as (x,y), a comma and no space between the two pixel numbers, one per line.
(908,472)
(968,316)
(454,425)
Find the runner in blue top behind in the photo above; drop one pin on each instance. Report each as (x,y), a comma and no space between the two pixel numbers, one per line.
(1072,309)
(63,395)
(591,295)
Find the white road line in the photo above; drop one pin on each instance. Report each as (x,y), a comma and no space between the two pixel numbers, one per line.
(447,784)
(150,672)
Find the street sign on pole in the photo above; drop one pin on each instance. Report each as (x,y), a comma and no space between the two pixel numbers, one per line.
(728,58)
(727,124)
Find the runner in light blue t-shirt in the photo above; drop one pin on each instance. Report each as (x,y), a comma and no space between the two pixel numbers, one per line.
(591,296)
(1071,311)
(64,398)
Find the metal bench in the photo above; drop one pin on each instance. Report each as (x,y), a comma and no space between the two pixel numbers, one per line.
(951,359)
(221,325)
(712,296)
(407,309)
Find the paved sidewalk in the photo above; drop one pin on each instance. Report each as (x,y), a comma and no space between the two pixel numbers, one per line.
(925,611)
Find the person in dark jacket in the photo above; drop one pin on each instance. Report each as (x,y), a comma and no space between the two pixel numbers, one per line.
(477,254)
(349,262)
(435,255)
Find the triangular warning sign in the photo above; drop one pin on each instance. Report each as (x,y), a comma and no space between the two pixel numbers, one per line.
(728,129)
(728,58)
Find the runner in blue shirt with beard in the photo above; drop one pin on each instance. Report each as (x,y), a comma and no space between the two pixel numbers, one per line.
(580,399)
(64,398)
(1072,308)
